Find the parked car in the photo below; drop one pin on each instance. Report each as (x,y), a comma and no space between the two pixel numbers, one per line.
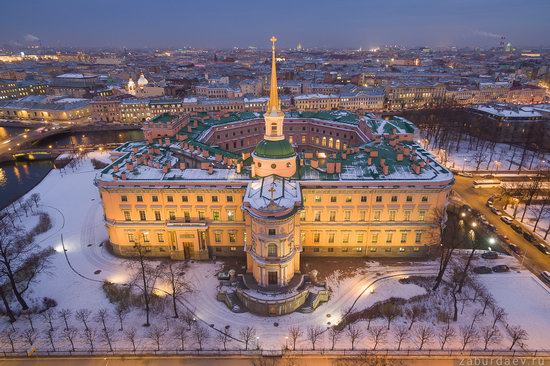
(501,268)
(491,227)
(496,211)
(483,219)
(504,238)
(467,208)
(224,276)
(514,248)
(507,219)
(543,248)
(489,255)
(489,204)
(517,228)
(482,270)
(545,276)
(529,237)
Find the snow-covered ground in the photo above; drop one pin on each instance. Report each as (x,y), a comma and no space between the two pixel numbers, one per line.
(530,218)
(73,203)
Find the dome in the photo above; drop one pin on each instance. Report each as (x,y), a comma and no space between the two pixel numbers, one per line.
(279,149)
(142,81)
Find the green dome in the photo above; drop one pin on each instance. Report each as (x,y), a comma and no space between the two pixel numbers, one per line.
(274,149)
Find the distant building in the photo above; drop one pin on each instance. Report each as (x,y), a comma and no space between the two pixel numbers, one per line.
(45,108)
(15,89)
(76,85)
(412,95)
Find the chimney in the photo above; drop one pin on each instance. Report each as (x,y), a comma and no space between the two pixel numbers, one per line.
(182,165)
(115,168)
(386,170)
(210,170)
(123,175)
(129,166)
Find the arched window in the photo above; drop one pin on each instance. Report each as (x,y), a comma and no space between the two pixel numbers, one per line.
(272,250)
(337,144)
(330,143)
(324,143)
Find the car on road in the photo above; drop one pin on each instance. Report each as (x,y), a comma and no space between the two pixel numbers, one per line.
(507,219)
(465,174)
(467,208)
(482,270)
(489,255)
(514,248)
(496,211)
(491,227)
(543,248)
(501,268)
(545,276)
(517,228)
(529,237)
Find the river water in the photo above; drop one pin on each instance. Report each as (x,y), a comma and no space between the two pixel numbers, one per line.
(17,178)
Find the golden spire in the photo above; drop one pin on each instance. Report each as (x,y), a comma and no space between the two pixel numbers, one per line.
(274,104)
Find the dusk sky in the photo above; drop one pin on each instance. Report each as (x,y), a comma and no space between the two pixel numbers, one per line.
(314,23)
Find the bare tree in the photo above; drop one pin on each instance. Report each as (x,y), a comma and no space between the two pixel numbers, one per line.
(377,334)
(224,337)
(490,335)
(90,337)
(334,335)
(83,315)
(180,332)
(11,336)
(468,335)
(102,316)
(6,301)
(146,276)
(294,333)
(414,313)
(174,274)
(156,334)
(313,334)
(499,314)
(400,334)
(247,334)
(27,314)
(390,311)
(51,336)
(423,335)
(487,300)
(29,335)
(35,197)
(201,335)
(353,333)
(130,335)
(121,312)
(70,333)
(49,315)
(65,314)
(518,335)
(446,334)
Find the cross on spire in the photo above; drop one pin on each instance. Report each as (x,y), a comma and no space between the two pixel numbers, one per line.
(272,190)
(273,40)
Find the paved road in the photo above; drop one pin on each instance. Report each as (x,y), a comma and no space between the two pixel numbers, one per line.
(535,260)
(25,139)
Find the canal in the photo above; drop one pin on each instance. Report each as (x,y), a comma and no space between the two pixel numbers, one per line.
(17,178)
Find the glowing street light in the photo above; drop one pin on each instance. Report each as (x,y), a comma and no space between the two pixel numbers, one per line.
(492,241)
(463,214)
(474,224)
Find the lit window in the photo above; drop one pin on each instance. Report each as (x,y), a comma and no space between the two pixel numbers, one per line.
(218,236)
(348,199)
(317,198)
(421,215)
(360,238)
(230,215)
(215,215)
(232,236)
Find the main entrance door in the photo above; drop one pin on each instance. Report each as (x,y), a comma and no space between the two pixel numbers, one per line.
(272,278)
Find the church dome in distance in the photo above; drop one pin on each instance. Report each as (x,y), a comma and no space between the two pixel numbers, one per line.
(142,81)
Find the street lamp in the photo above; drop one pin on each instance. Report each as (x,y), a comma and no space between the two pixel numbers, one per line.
(474,224)
(492,241)
(463,214)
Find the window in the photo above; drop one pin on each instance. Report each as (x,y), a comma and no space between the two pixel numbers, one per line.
(272,250)
(316,250)
(160,237)
(127,216)
(232,249)
(347,215)
(230,215)
(421,215)
(389,238)
(215,215)
(416,249)
(184,199)
(331,238)
(316,237)
(378,198)
(401,249)
(362,215)
(332,216)
(271,231)
(170,198)
(317,198)
(157,215)
(424,198)
(360,238)
(394,198)
(131,238)
(392,215)
(229,198)
(359,249)
(345,238)
(409,198)
(145,237)
(124,198)
(418,237)
(330,250)
(155,198)
(171,215)
(376,215)
(200,199)
(387,250)
(214,198)
(345,250)
(218,249)
(317,215)
(348,199)
(232,236)
(139,198)
(218,236)
(186,216)
(332,199)
(403,237)
(302,216)
(142,216)
(372,249)
(201,215)
(407,215)
(363,199)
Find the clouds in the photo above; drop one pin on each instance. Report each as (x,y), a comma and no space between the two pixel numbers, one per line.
(31,38)
(488,34)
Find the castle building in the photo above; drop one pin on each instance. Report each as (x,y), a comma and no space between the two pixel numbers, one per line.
(273,188)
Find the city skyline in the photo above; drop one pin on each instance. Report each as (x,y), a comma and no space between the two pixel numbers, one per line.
(353,24)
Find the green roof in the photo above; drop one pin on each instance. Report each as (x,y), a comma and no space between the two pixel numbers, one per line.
(163,117)
(274,149)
